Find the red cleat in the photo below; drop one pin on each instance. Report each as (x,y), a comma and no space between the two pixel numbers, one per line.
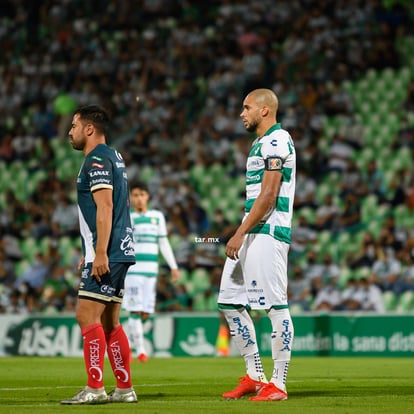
(142,358)
(270,393)
(246,386)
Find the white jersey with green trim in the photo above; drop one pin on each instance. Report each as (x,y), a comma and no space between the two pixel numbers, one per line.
(147,228)
(275,150)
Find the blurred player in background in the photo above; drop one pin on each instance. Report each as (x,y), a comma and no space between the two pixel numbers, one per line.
(255,271)
(150,238)
(105,226)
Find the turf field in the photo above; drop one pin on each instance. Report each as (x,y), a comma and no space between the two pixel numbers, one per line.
(194,385)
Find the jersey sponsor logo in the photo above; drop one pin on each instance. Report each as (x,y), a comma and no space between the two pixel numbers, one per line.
(273,163)
(100,173)
(95,164)
(254,164)
(100,180)
(127,246)
(120,164)
(253,178)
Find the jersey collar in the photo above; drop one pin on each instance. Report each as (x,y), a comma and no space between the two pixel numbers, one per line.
(273,128)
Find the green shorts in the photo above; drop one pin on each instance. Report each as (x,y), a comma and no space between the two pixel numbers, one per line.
(109,289)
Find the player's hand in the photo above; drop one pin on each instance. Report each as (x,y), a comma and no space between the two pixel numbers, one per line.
(100,266)
(175,275)
(233,246)
(81,263)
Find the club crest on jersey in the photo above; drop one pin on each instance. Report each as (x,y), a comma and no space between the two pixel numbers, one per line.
(273,164)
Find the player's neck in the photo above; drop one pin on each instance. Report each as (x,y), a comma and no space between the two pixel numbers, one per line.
(264,127)
(92,143)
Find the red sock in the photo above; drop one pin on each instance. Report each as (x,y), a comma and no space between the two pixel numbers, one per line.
(94,353)
(119,356)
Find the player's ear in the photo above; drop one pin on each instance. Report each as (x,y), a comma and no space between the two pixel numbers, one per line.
(89,130)
(264,111)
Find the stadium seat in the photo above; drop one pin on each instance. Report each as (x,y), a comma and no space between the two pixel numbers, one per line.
(362,272)
(184,276)
(374,227)
(295,309)
(390,300)
(369,206)
(146,173)
(175,240)
(64,169)
(211,303)
(322,190)
(29,247)
(65,248)
(308,213)
(21,267)
(198,302)
(200,279)
(197,173)
(406,302)
(344,275)
(402,215)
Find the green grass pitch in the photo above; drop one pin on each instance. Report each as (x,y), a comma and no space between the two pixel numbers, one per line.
(194,385)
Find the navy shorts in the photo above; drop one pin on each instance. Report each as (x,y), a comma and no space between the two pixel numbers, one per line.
(109,289)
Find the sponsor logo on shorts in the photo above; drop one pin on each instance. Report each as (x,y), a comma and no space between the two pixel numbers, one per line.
(261,301)
(107,289)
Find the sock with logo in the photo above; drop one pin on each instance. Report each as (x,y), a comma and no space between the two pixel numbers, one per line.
(136,333)
(94,353)
(282,338)
(119,356)
(243,335)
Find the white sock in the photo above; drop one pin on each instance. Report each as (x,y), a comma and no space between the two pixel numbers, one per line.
(136,334)
(243,334)
(282,337)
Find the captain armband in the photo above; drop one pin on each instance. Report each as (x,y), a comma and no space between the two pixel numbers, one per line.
(273,164)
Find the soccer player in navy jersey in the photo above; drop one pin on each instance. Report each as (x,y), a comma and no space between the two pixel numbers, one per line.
(108,251)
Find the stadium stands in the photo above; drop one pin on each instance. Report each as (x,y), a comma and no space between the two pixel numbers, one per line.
(184,91)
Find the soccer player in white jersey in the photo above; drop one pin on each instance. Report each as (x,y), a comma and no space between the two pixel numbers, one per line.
(150,237)
(255,272)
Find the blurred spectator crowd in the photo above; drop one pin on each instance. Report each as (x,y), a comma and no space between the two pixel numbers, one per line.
(173,74)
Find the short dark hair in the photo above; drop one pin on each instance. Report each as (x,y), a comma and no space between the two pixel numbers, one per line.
(96,115)
(140,185)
